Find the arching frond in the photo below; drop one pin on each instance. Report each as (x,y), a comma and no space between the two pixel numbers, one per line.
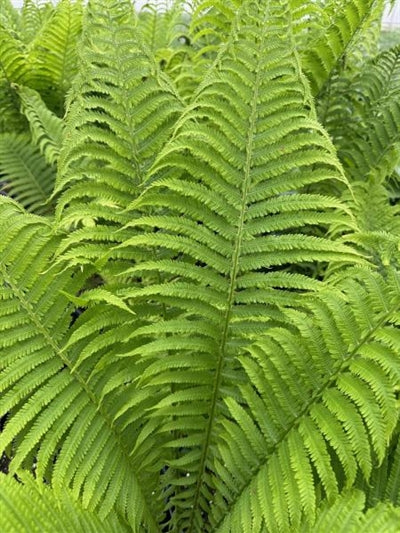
(321,407)
(209,28)
(29,507)
(232,218)
(46,128)
(9,17)
(59,414)
(161,24)
(123,111)
(14,68)
(377,224)
(25,174)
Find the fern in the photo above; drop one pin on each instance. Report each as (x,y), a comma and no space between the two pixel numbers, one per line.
(34,14)
(51,513)
(58,417)
(25,174)
(204,335)
(55,48)
(346,515)
(224,179)
(117,122)
(46,128)
(325,49)
(346,360)
(372,148)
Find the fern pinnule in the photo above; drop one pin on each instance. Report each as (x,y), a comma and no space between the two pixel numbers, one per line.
(329,45)
(56,48)
(348,513)
(46,128)
(53,512)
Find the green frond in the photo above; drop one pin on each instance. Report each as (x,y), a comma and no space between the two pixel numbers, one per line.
(55,47)
(372,146)
(122,113)
(161,25)
(320,405)
(328,46)
(9,17)
(34,14)
(346,515)
(230,204)
(30,507)
(14,68)
(25,174)
(46,128)
(59,412)
(377,224)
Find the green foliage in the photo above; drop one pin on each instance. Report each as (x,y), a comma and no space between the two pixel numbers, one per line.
(25,174)
(114,129)
(199,267)
(52,513)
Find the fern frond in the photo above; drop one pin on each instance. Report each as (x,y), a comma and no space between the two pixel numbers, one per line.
(14,68)
(377,224)
(123,112)
(46,128)
(372,147)
(55,47)
(346,515)
(60,413)
(29,507)
(34,14)
(320,409)
(9,17)
(231,214)
(327,48)
(25,174)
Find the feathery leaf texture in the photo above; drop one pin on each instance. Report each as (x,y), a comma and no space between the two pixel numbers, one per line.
(372,146)
(346,515)
(55,48)
(25,174)
(31,507)
(122,114)
(323,51)
(204,335)
(46,128)
(57,416)
(232,184)
(320,404)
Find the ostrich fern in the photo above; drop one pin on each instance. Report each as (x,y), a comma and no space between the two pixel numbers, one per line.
(199,284)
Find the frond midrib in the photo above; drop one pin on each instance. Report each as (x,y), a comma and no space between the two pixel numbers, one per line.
(385,317)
